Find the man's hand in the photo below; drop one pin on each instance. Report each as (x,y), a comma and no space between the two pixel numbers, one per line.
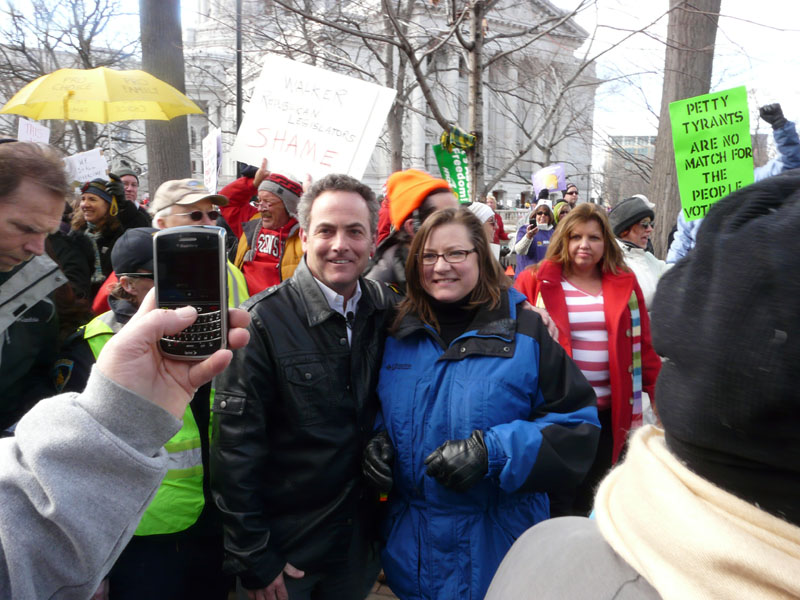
(277,589)
(261,174)
(131,358)
(773,115)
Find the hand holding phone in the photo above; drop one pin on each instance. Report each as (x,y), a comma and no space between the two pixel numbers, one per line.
(190,270)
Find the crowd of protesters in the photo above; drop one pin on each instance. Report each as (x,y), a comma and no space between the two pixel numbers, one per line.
(397,401)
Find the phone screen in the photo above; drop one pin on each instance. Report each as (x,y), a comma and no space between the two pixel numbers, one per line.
(188,276)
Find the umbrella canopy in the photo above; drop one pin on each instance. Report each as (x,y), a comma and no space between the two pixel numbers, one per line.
(101,95)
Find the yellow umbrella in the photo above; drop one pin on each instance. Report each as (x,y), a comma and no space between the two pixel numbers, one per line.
(101,95)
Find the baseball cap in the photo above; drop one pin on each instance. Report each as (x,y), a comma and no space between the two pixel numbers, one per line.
(182,191)
(133,251)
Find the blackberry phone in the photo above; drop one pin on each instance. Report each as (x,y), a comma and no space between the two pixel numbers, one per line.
(190,270)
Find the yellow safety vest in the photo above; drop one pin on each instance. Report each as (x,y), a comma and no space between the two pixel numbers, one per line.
(237,286)
(179,499)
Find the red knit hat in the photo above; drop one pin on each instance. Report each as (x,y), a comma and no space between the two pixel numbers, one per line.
(407,190)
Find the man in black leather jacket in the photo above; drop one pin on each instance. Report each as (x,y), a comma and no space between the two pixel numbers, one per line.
(296,407)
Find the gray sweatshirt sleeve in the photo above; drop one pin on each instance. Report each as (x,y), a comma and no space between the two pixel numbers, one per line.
(74,483)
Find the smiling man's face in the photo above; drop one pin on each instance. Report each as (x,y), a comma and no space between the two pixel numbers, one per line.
(339,241)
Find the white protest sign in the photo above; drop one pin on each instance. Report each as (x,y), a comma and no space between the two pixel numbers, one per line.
(85,166)
(212,158)
(28,131)
(304,119)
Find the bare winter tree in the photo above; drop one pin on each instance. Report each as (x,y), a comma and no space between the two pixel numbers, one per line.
(162,56)
(437,57)
(41,36)
(691,35)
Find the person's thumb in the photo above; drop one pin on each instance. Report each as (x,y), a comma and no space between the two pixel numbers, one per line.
(293,571)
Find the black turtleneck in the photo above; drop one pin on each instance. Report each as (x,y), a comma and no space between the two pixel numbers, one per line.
(454,317)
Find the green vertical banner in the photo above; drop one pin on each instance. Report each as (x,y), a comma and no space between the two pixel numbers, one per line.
(713,151)
(453,167)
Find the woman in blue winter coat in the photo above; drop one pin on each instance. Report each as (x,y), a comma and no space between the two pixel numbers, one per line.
(482,414)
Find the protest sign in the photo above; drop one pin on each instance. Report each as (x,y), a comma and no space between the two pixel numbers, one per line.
(550,178)
(85,166)
(28,131)
(304,119)
(212,158)
(713,153)
(454,170)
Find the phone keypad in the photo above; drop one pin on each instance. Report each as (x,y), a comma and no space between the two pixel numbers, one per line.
(203,337)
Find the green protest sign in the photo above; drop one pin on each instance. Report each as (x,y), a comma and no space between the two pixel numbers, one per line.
(453,167)
(713,153)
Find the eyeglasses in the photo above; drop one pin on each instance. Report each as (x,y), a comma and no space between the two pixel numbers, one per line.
(268,201)
(546,214)
(197,215)
(561,213)
(136,275)
(452,257)
(572,193)
(646,224)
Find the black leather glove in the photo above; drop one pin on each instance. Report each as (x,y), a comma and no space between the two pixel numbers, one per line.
(115,187)
(504,251)
(459,464)
(377,462)
(773,115)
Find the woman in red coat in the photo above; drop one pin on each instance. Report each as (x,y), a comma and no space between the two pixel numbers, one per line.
(602,323)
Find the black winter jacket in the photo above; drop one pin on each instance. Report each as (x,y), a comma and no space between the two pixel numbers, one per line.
(292,414)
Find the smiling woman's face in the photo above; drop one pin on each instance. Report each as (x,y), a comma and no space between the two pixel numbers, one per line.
(446,281)
(94,208)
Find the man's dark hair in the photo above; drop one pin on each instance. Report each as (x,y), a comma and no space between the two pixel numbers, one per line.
(40,163)
(338,182)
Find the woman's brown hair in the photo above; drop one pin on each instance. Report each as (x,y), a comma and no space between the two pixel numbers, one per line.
(612,260)
(492,282)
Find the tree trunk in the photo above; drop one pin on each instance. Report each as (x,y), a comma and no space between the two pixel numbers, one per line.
(162,56)
(475,101)
(691,34)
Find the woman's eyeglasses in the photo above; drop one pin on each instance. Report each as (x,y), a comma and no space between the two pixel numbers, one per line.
(546,214)
(646,224)
(197,215)
(452,257)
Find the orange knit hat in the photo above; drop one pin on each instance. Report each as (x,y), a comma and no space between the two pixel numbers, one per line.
(406,191)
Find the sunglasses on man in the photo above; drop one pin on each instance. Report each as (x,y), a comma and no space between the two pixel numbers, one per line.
(197,215)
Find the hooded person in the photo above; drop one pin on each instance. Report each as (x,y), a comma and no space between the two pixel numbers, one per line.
(706,507)
(560,210)
(413,196)
(633,222)
(533,237)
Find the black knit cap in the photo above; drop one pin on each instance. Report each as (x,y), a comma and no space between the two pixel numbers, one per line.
(627,213)
(727,319)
